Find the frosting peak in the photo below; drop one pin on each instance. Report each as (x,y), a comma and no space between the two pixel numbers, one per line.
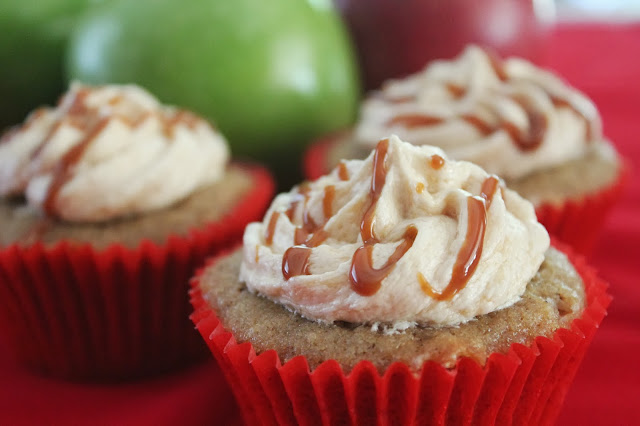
(405,235)
(107,152)
(509,117)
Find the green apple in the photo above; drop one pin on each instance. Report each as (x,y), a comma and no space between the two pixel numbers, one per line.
(34,35)
(270,74)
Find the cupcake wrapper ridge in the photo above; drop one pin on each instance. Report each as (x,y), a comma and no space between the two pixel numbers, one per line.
(575,222)
(526,385)
(76,312)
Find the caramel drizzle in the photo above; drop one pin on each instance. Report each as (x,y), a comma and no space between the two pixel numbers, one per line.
(565,103)
(295,260)
(343,173)
(411,121)
(419,187)
(62,173)
(528,140)
(327,200)
(273,220)
(80,116)
(471,250)
(365,279)
(456,91)
(436,162)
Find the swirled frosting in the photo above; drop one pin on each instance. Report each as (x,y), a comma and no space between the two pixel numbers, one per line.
(509,117)
(108,152)
(405,236)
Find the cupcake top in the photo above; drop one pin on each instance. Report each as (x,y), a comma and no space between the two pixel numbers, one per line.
(509,117)
(108,152)
(404,237)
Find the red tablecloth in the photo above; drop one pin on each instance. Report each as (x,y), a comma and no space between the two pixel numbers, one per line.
(604,61)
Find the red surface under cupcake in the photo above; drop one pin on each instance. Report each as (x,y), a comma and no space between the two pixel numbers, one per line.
(525,386)
(575,222)
(77,312)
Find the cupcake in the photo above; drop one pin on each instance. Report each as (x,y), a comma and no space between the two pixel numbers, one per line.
(107,203)
(513,119)
(406,287)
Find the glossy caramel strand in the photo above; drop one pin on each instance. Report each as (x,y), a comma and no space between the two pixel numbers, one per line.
(365,279)
(327,201)
(411,121)
(436,162)
(295,260)
(469,255)
(378,179)
(560,102)
(64,168)
(497,64)
(343,173)
(532,138)
(456,91)
(273,220)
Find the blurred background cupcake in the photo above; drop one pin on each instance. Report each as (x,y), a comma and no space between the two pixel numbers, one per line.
(108,203)
(514,119)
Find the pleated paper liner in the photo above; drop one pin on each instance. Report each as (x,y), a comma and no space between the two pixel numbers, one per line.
(79,313)
(527,385)
(576,222)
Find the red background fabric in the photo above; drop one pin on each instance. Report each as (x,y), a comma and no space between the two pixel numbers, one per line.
(601,60)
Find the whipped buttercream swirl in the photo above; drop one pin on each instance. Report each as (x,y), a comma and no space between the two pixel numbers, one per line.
(509,117)
(405,236)
(108,152)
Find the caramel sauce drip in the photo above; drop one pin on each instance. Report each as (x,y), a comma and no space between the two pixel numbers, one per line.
(481,126)
(179,117)
(400,99)
(419,187)
(63,169)
(533,137)
(497,64)
(295,260)
(528,140)
(77,108)
(471,250)
(436,162)
(327,200)
(378,179)
(268,236)
(365,279)
(456,91)
(565,103)
(411,121)
(343,173)
(82,117)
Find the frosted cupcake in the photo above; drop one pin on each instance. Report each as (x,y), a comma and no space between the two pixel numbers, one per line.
(107,203)
(405,286)
(510,117)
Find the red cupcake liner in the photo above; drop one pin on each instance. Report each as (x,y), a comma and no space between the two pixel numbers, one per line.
(80,313)
(576,222)
(527,385)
